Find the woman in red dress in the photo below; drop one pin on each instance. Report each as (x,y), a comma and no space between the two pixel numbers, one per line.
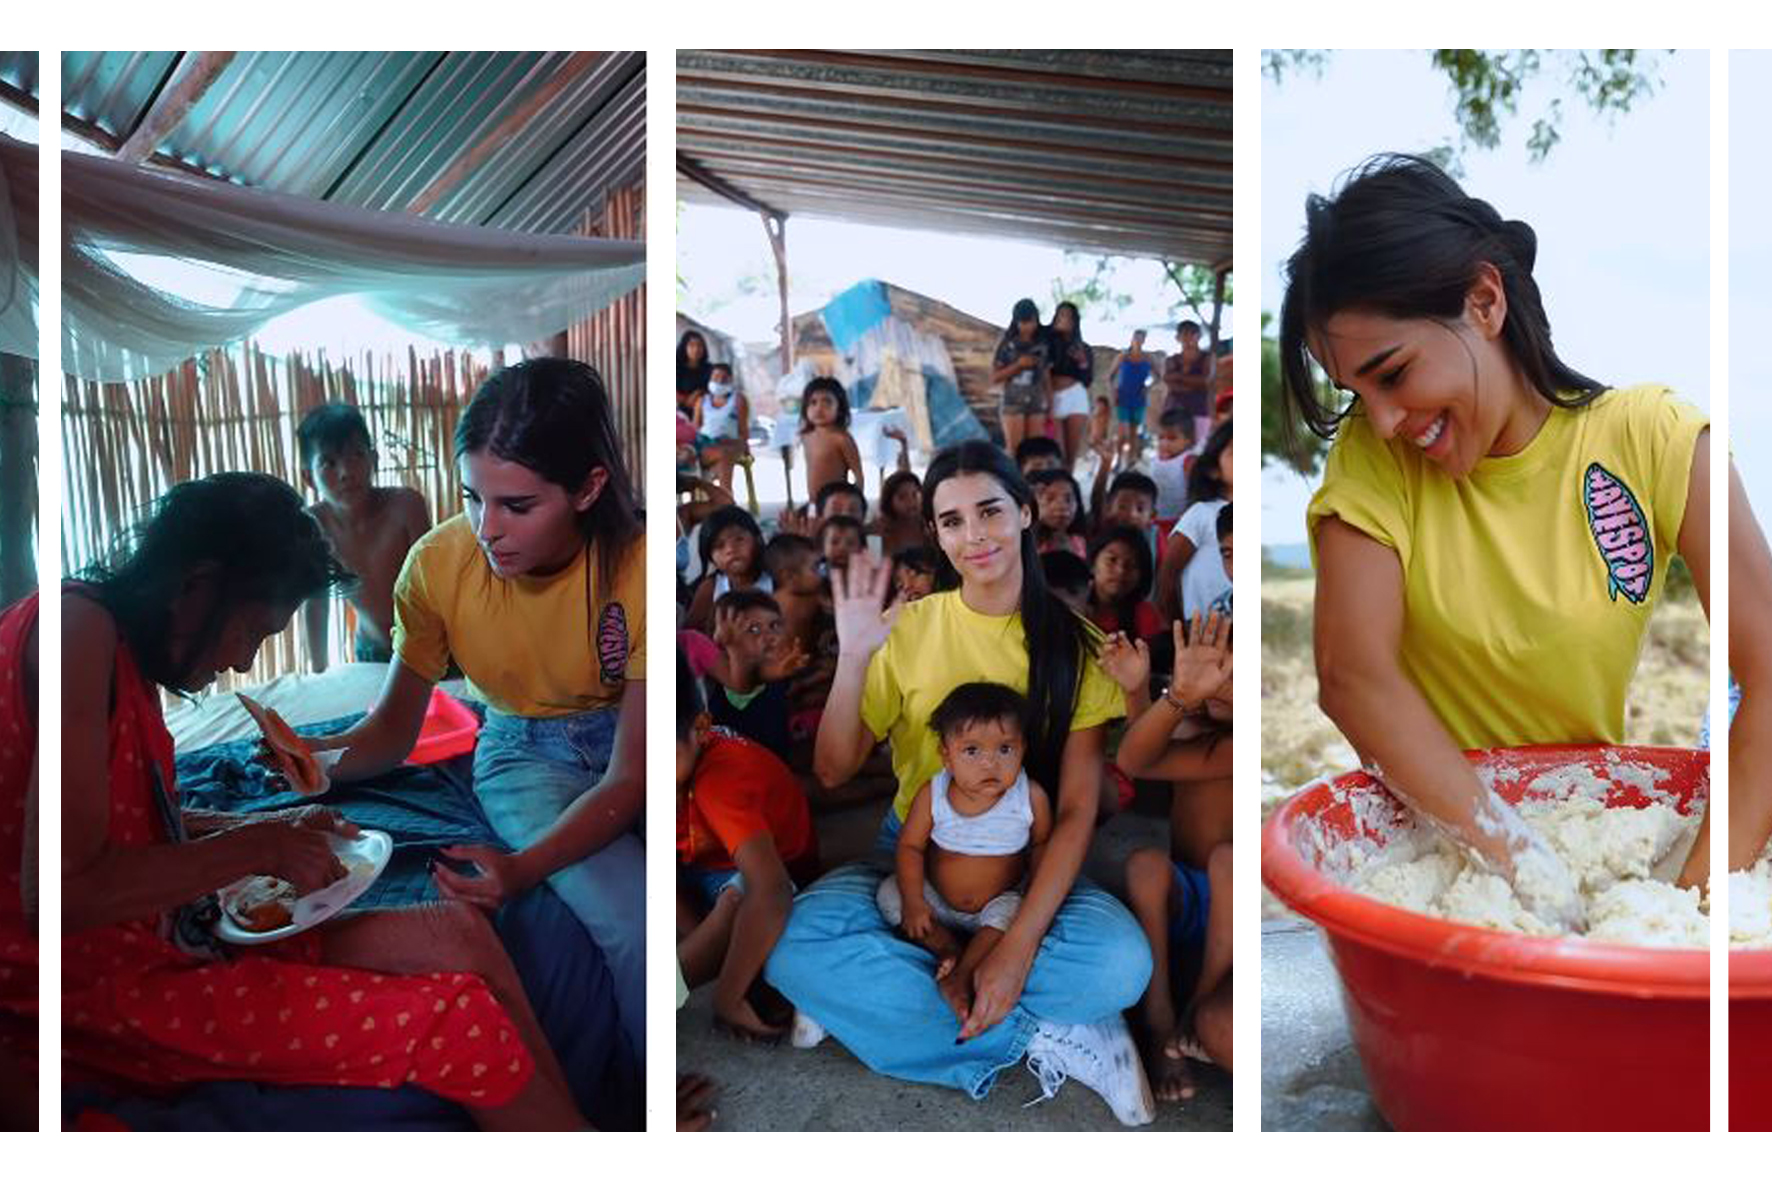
(422,995)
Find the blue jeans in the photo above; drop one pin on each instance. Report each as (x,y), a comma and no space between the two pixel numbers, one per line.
(844,967)
(526,772)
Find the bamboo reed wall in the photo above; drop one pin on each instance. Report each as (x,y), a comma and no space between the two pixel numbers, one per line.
(236,409)
(614,340)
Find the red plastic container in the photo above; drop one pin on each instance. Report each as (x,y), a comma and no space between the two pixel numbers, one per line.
(450,729)
(1750,1041)
(1461,1028)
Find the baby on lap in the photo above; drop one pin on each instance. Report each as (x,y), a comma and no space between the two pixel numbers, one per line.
(974,834)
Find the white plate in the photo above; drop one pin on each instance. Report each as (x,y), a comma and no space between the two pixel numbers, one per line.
(370,850)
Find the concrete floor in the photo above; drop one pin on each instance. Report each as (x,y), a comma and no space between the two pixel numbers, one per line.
(826,1089)
(1311,1078)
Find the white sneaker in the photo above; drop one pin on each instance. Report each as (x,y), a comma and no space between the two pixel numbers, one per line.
(806,1032)
(1102,1057)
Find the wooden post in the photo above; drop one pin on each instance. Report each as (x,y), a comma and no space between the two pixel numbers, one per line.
(776,226)
(1217,306)
(196,74)
(18,477)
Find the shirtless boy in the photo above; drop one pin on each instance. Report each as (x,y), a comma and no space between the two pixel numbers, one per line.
(370,527)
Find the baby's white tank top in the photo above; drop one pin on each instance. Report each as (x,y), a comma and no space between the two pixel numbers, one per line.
(1002,830)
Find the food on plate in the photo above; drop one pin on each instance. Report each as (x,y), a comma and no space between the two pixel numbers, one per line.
(262,903)
(293,758)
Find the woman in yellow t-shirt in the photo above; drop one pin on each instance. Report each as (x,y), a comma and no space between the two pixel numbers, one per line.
(538,592)
(1494,527)
(1074,957)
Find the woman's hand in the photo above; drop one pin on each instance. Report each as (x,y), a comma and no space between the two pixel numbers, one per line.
(1127,661)
(856,595)
(297,851)
(997,983)
(1202,659)
(502,877)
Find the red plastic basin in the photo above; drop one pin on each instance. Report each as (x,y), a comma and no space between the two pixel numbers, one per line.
(450,729)
(1469,1029)
(1750,1037)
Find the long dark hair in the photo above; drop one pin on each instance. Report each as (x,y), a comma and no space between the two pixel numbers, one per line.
(250,529)
(890,489)
(690,376)
(1058,642)
(1126,609)
(552,415)
(1024,310)
(1204,482)
(1401,239)
(825,385)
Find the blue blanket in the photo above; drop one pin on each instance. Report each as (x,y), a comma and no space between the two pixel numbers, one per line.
(423,809)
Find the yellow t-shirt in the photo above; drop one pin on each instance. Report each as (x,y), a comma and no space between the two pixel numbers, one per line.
(525,644)
(1527,585)
(937,644)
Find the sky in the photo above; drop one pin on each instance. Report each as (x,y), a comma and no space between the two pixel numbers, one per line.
(1750,259)
(718,245)
(1621,210)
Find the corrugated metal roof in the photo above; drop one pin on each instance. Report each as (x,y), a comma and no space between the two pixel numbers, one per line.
(380,129)
(18,72)
(1123,151)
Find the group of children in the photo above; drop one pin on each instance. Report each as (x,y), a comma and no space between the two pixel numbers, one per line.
(1146,557)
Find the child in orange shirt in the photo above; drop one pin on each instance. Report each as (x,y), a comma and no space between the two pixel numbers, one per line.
(744,834)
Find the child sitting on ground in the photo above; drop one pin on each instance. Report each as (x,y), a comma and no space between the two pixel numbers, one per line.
(1060,522)
(988,824)
(747,690)
(744,837)
(1183,900)
(371,528)
(731,549)
(838,538)
(1121,572)
(791,562)
(913,574)
(831,453)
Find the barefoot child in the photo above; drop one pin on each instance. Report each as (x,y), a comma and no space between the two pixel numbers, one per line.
(1183,900)
(988,824)
(831,453)
(370,528)
(743,832)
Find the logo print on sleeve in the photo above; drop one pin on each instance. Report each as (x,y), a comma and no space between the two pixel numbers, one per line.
(612,644)
(1621,531)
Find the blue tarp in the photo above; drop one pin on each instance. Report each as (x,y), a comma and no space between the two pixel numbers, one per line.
(854,312)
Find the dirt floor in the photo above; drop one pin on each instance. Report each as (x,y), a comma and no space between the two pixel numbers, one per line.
(826,1089)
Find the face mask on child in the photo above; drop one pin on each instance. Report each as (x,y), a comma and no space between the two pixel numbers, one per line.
(719,388)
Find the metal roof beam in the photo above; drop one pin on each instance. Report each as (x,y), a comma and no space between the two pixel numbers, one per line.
(707,180)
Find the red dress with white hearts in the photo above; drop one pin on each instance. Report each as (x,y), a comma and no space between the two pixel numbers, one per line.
(18,743)
(138,1009)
